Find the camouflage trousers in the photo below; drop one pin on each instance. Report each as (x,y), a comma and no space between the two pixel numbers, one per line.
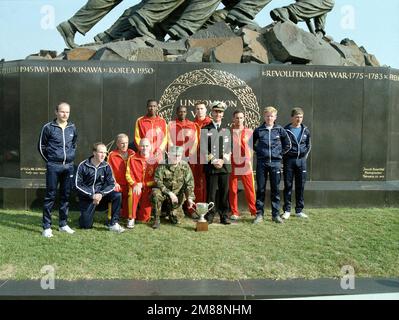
(173,210)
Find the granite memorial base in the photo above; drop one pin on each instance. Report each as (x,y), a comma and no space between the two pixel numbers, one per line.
(352,113)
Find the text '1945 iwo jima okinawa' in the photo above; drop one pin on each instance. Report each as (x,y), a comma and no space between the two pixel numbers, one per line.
(199,31)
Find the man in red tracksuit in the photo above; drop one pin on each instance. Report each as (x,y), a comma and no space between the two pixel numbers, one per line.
(201,120)
(241,166)
(152,127)
(117,160)
(183,133)
(140,176)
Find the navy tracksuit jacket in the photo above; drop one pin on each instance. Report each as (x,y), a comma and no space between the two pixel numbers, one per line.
(269,145)
(91,180)
(57,147)
(295,168)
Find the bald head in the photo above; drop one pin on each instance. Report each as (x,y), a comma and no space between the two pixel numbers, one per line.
(145,147)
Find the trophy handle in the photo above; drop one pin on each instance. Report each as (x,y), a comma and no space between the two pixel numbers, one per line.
(210,206)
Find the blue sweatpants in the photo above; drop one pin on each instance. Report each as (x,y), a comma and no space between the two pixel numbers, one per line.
(63,174)
(87,208)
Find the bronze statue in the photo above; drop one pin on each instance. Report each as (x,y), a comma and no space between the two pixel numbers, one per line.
(84,19)
(238,12)
(156,18)
(305,10)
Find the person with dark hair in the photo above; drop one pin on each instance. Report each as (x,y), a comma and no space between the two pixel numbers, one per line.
(294,162)
(57,146)
(241,166)
(201,120)
(152,127)
(95,184)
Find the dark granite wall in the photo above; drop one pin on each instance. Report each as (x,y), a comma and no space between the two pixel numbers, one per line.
(352,112)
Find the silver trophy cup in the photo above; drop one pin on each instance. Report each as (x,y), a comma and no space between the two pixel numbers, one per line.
(202,209)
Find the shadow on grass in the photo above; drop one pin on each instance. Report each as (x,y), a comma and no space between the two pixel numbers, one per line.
(32,222)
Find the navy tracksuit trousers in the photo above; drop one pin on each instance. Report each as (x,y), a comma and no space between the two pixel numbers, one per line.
(63,174)
(294,169)
(87,208)
(263,170)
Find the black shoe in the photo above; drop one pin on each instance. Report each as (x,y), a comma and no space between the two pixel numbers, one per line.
(173,219)
(277,219)
(157,224)
(225,221)
(209,218)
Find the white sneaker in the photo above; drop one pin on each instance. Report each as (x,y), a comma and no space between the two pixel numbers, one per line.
(301,215)
(258,219)
(47,233)
(66,229)
(286,215)
(116,228)
(130,224)
(234,217)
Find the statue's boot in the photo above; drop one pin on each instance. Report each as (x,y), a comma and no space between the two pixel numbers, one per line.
(236,18)
(280,14)
(105,37)
(176,33)
(67,31)
(102,38)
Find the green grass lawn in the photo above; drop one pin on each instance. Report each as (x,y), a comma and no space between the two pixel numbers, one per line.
(367,239)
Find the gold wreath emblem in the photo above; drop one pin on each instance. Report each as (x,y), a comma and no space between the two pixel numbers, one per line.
(214,78)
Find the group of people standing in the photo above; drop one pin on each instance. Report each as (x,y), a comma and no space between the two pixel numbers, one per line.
(171,166)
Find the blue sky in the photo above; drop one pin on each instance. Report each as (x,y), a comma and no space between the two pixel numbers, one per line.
(28,26)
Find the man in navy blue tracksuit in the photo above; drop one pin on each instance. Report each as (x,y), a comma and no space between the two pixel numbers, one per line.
(95,185)
(270,142)
(295,163)
(57,145)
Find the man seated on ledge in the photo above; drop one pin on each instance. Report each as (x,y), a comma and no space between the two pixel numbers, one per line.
(95,185)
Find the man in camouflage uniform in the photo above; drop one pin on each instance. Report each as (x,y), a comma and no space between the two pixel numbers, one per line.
(174,184)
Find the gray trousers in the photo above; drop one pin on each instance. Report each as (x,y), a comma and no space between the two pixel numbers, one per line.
(91,13)
(240,11)
(303,10)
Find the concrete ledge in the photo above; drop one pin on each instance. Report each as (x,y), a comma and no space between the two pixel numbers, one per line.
(190,289)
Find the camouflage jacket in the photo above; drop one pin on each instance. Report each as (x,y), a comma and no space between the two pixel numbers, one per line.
(175,178)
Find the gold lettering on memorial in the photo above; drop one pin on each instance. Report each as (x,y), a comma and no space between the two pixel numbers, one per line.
(34,69)
(374,173)
(10,69)
(79,69)
(33,171)
(191,103)
(394,77)
(339,75)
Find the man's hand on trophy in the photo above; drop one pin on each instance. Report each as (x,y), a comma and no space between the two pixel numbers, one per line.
(190,203)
